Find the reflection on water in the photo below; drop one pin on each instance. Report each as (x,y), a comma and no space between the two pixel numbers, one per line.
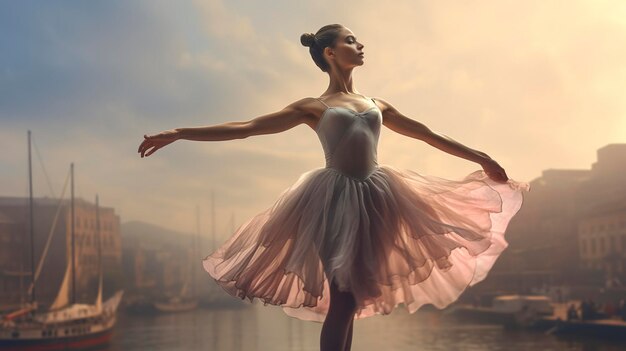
(263,328)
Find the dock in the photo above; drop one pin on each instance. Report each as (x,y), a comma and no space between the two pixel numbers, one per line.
(614,328)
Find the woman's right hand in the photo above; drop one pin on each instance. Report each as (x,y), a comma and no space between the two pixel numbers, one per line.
(157,141)
(494,170)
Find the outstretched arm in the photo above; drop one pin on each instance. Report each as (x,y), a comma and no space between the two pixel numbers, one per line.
(276,122)
(399,123)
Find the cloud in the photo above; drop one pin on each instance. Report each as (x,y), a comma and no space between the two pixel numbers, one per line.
(522,81)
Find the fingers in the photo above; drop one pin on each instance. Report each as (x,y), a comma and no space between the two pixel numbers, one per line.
(502,176)
(144,154)
(498,175)
(152,151)
(142,146)
(145,145)
(144,142)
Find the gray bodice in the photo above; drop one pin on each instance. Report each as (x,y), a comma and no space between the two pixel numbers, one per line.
(350,139)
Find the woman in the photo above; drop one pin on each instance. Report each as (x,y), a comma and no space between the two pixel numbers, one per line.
(373,235)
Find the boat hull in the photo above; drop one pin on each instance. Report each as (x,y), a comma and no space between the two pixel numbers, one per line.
(613,329)
(179,307)
(84,342)
(486,316)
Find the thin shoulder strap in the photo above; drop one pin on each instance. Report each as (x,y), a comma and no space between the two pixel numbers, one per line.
(375,104)
(374,101)
(320,100)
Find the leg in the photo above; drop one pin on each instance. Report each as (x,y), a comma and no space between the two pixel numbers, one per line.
(336,327)
(349,337)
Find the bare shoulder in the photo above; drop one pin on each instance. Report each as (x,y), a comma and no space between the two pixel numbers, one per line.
(310,109)
(398,122)
(292,115)
(307,105)
(389,112)
(384,106)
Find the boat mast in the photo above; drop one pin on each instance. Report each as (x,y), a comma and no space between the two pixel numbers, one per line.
(232,222)
(31,220)
(212,220)
(72,226)
(99,236)
(98,233)
(195,243)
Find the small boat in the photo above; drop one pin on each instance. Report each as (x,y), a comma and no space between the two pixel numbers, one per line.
(511,311)
(184,300)
(176,304)
(602,328)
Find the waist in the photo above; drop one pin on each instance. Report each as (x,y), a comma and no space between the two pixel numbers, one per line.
(359,175)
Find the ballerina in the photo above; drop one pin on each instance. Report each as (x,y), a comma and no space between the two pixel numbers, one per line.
(354,238)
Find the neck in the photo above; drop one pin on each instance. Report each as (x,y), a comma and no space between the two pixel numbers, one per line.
(340,82)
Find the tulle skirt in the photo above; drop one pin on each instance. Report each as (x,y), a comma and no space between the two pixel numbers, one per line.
(396,237)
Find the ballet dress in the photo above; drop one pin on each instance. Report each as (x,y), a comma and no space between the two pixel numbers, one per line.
(389,236)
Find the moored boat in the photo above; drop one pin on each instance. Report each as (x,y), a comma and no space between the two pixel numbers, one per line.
(511,311)
(65,324)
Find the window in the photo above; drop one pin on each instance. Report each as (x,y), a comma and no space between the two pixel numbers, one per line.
(601,245)
(593,245)
(612,238)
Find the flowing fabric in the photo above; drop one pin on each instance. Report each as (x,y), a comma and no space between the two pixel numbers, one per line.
(387,235)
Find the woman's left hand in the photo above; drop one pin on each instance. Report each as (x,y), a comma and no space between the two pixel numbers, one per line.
(157,141)
(494,171)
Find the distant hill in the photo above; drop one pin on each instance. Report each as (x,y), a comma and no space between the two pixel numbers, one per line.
(134,232)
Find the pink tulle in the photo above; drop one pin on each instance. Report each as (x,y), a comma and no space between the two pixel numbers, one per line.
(395,237)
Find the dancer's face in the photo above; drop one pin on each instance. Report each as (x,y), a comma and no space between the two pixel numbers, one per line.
(346,52)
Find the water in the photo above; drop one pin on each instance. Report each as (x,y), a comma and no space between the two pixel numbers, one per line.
(264,328)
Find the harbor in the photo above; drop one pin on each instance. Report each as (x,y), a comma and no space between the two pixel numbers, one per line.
(461,170)
(256,327)
(167,302)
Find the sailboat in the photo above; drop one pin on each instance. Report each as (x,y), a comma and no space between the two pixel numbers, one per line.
(183,301)
(216,298)
(178,303)
(66,325)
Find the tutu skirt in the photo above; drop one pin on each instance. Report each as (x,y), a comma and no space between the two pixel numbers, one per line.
(396,237)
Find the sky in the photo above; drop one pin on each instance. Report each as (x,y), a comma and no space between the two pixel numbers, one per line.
(535,84)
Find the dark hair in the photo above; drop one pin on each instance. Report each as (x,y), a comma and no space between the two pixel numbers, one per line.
(325,37)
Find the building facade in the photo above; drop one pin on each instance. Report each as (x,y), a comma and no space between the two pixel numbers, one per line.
(52,222)
(570,230)
(602,241)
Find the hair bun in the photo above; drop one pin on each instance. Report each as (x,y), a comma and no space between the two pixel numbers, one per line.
(307,39)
